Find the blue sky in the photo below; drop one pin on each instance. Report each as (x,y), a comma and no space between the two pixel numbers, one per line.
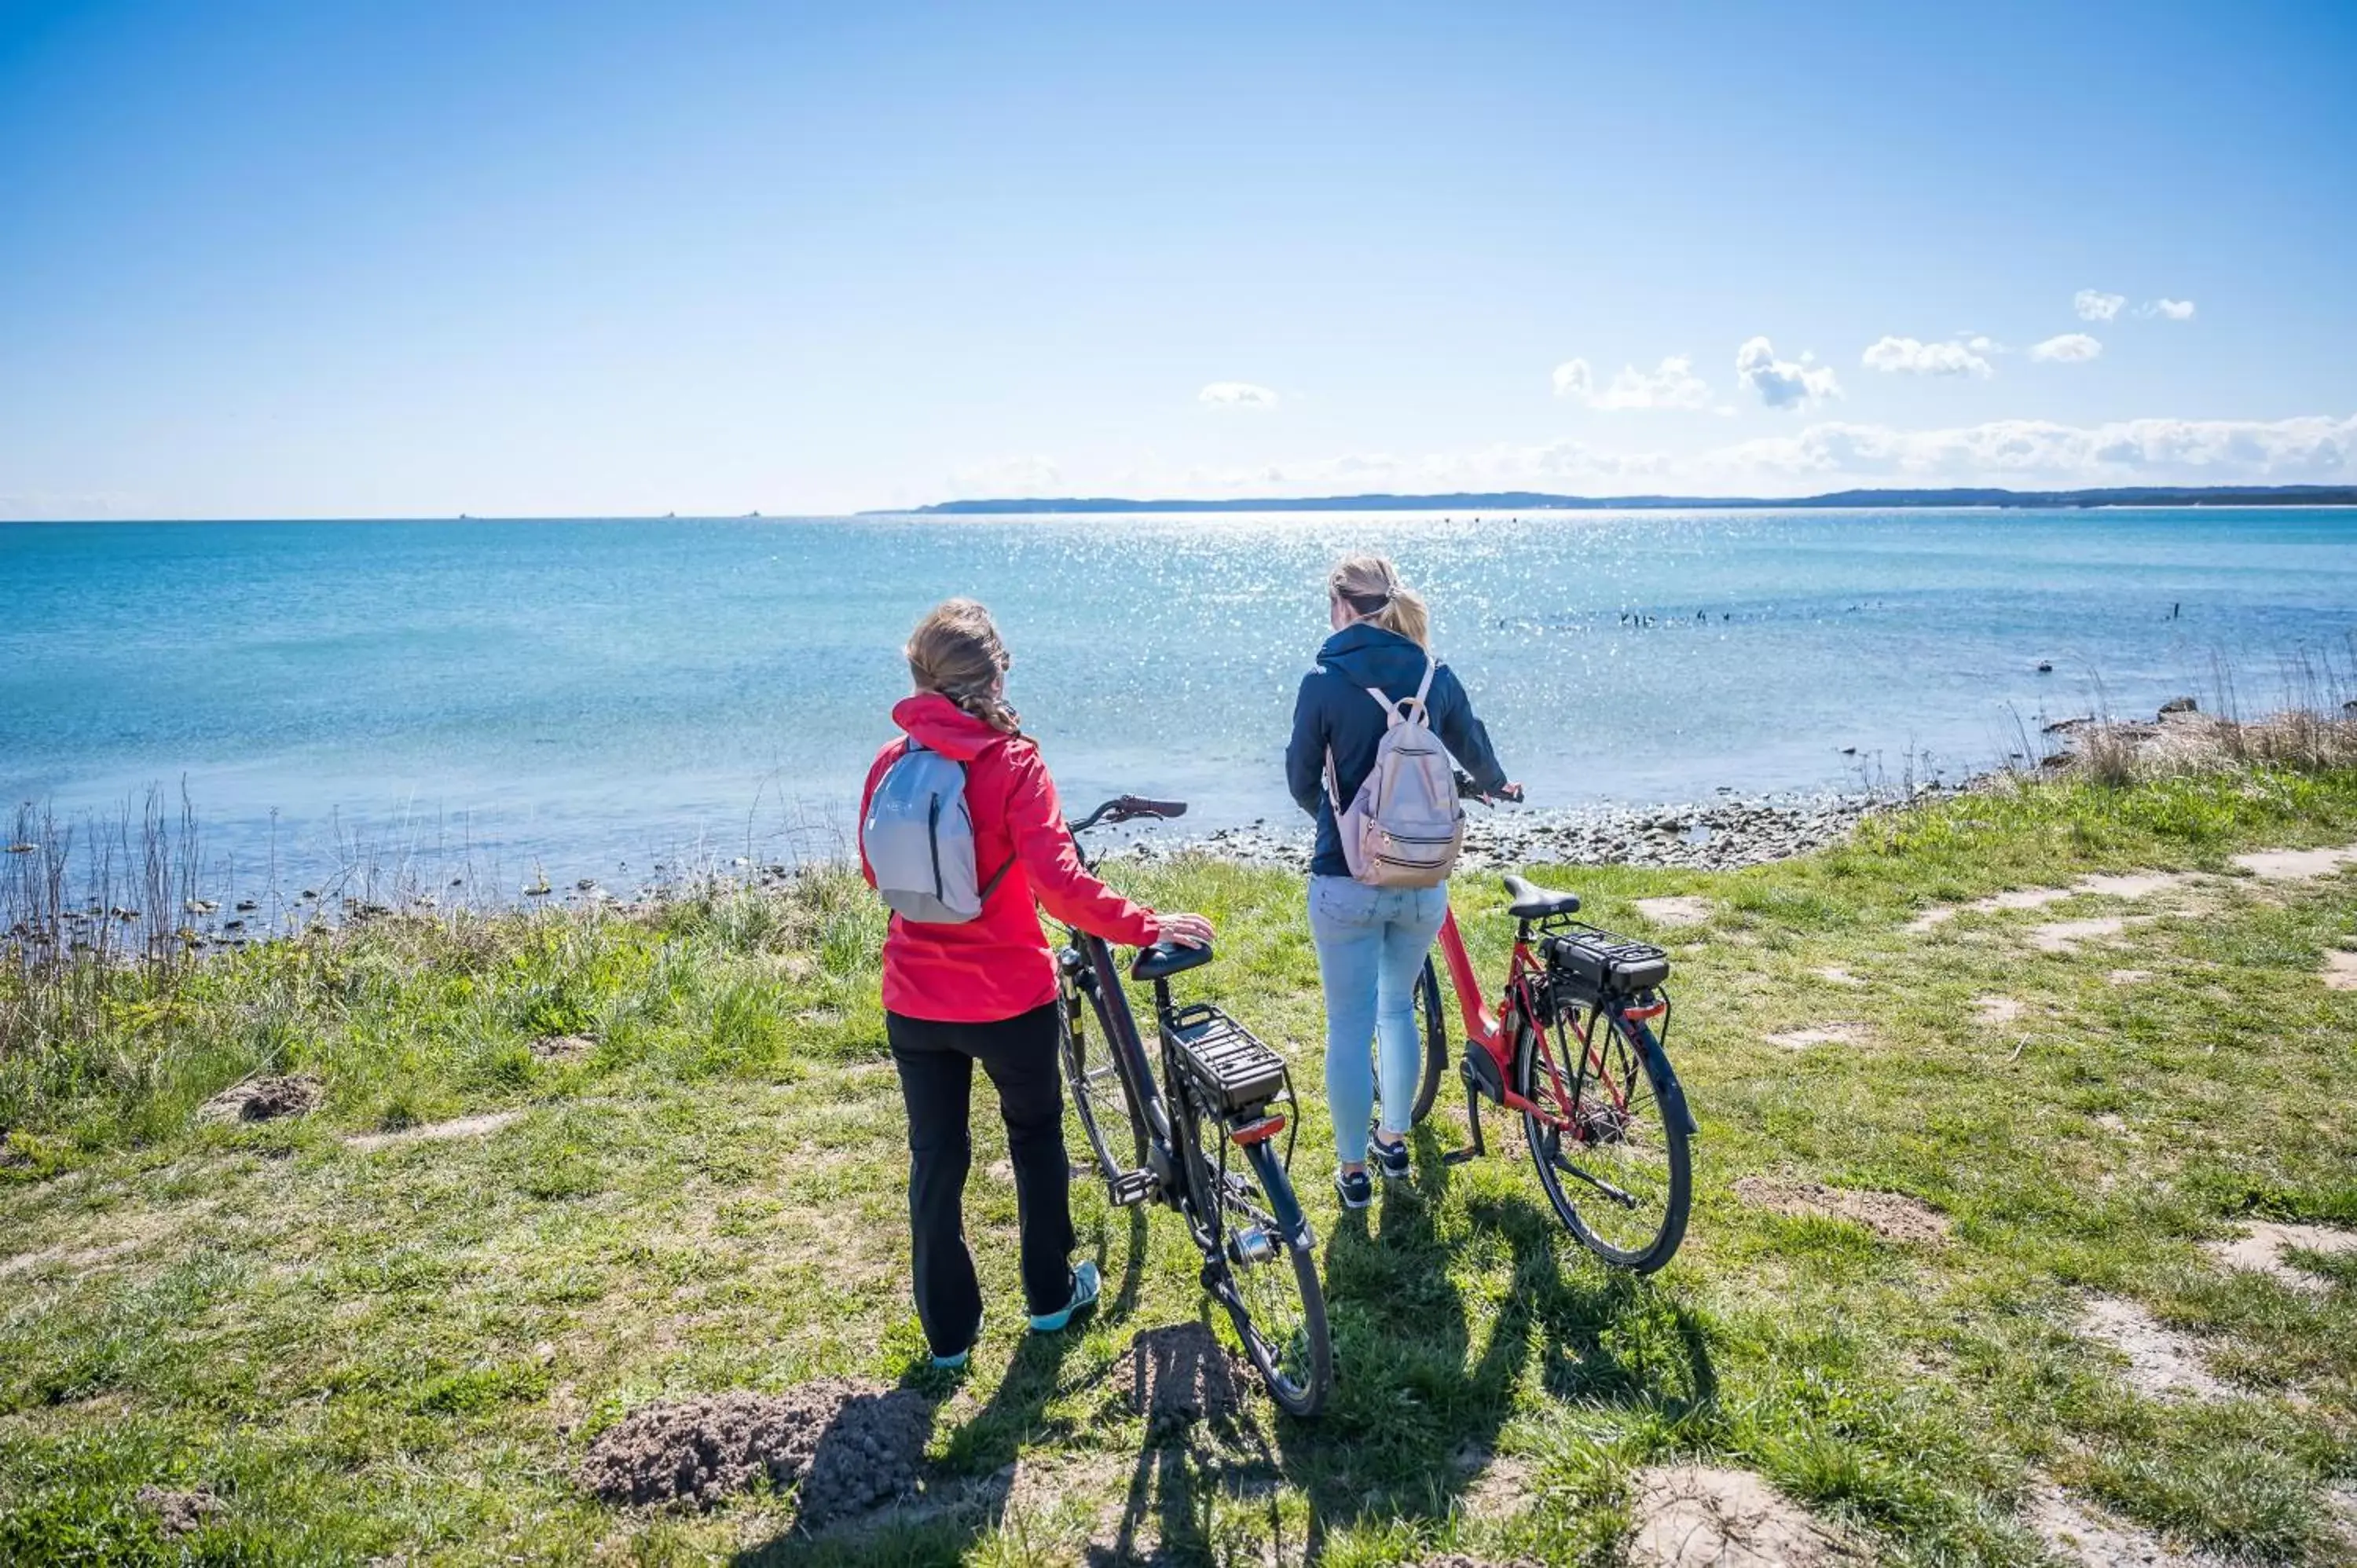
(418,259)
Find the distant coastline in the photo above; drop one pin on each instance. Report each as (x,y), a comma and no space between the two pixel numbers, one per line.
(1536,501)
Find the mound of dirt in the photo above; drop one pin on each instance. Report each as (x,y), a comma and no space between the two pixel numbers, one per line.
(263,1100)
(1181,1375)
(1458,1560)
(562,1047)
(852,1445)
(1699,1516)
(1892,1216)
(1684,910)
(181,1512)
(2340,970)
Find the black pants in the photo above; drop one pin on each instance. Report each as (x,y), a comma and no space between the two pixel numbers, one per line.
(936,1063)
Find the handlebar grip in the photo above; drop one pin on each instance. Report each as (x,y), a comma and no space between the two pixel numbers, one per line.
(1137,805)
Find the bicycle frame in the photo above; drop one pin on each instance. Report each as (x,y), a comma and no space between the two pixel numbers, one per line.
(1486,1028)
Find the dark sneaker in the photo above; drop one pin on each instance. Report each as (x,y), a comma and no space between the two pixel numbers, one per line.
(1388,1158)
(1354,1189)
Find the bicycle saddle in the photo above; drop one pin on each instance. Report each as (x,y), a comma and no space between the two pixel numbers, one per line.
(1532,902)
(1164,959)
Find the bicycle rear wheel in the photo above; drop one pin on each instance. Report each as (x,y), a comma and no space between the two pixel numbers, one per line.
(1261,1263)
(1619,1171)
(1100,1090)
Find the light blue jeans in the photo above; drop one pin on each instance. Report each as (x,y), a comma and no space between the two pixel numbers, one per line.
(1371,947)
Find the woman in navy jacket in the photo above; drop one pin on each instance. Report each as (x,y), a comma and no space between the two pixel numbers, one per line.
(1371,940)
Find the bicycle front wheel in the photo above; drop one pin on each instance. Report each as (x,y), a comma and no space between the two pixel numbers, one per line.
(1100,1091)
(1609,1137)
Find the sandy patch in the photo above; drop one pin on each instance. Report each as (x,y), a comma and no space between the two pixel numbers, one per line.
(2132,884)
(1458,1560)
(2340,970)
(2296,864)
(1684,910)
(852,1445)
(2065,936)
(75,1261)
(1996,1009)
(2261,1247)
(2085,1537)
(1836,975)
(2126,884)
(1699,1516)
(562,1047)
(1823,1034)
(1892,1216)
(2020,898)
(434,1132)
(181,1512)
(262,1099)
(1181,1375)
(2128,976)
(2162,1363)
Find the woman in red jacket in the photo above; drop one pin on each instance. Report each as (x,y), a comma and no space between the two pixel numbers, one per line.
(986,990)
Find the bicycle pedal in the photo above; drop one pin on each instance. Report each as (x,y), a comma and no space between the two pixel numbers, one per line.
(1130,1189)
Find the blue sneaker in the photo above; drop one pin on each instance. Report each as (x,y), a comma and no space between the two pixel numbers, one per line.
(953,1363)
(1354,1189)
(1085,1294)
(1391,1159)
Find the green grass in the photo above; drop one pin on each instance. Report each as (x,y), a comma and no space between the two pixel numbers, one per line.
(400,1354)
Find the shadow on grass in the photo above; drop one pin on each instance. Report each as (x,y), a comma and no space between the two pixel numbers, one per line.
(1429,1372)
(938,1527)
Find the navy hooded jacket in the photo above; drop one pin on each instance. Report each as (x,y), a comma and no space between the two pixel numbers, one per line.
(1334,710)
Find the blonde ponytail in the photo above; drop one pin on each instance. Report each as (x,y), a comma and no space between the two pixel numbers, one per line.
(955,651)
(1370,587)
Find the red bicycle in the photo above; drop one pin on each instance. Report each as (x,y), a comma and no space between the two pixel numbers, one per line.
(1574,1046)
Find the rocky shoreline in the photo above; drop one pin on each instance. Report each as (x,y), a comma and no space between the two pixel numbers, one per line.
(1716,836)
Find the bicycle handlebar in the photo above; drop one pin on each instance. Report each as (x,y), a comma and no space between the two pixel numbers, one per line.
(1467,790)
(1126,808)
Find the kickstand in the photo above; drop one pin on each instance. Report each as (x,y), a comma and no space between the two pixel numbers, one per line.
(1475,1149)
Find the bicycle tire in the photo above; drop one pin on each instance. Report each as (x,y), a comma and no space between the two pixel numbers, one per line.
(1295,1359)
(1103,1112)
(1675,1173)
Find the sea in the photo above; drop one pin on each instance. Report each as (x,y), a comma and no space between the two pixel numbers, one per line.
(590,699)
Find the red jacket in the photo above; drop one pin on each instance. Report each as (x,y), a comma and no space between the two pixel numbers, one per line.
(997,964)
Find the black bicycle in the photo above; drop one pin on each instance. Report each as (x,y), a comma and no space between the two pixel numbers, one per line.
(1207,1149)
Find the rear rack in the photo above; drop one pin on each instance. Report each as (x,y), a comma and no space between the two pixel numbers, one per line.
(1595,964)
(1227,1063)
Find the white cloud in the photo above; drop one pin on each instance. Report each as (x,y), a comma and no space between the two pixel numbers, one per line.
(2070,348)
(1827,455)
(2040,452)
(2169,309)
(1905,356)
(1673,385)
(2093,304)
(1236,395)
(1003,477)
(1782,384)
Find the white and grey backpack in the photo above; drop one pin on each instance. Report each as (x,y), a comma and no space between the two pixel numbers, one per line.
(918,841)
(1405,827)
